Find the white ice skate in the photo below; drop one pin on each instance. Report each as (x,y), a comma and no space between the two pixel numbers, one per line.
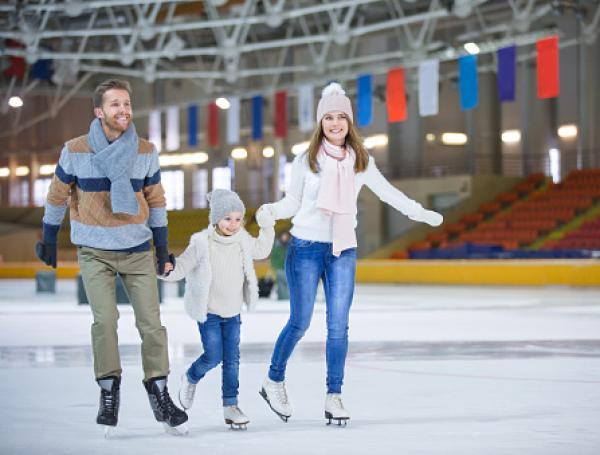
(334,409)
(275,395)
(235,418)
(186,392)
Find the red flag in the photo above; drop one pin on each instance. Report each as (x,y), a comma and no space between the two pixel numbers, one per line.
(547,67)
(396,95)
(17,64)
(213,125)
(280,121)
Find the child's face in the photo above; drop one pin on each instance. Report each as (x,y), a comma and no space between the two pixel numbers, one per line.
(230,223)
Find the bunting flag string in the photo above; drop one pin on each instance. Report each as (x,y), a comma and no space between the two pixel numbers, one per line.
(233,121)
(154,129)
(257,117)
(192,121)
(429,76)
(547,68)
(468,82)
(213,124)
(364,96)
(280,111)
(506,76)
(396,96)
(172,140)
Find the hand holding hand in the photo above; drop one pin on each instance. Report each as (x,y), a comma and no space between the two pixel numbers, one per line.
(264,217)
(432,218)
(163,257)
(46,252)
(169,267)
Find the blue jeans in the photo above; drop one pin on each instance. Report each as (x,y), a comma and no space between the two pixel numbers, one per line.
(306,263)
(221,341)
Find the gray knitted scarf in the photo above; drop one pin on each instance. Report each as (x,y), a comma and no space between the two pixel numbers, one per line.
(116,161)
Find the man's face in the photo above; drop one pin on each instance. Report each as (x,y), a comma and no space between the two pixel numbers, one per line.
(116,112)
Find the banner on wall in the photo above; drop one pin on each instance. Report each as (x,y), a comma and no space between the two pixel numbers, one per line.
(506,76)
(280,120)
(396,96)
(213,124)
(364,97)
(306,109)
(154,129)
(257,117)
(429,77)
(468,82)
(233,121)
(548,85)
(172,140)
(192,122)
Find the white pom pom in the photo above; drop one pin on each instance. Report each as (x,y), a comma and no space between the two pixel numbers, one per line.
(333,89)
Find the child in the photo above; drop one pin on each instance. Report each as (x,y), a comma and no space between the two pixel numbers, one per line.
(220,277)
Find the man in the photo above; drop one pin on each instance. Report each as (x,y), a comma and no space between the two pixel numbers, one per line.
(117,204)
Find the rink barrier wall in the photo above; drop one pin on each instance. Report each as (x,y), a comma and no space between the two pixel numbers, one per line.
(572,272)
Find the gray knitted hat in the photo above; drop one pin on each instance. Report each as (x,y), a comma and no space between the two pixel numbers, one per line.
(222,202)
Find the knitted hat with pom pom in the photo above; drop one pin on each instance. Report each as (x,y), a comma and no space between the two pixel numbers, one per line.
(332,99)
(223,202)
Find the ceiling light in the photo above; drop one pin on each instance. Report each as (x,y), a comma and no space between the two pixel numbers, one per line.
(378,140)
(430,137)
(223,103)
(239,153)
(180,159)
(511,136)
(454,138)
(22,171)
(15,101)
(299,148)
(268,152)
(47,169)
(567,131)
(4,172)
(471,48)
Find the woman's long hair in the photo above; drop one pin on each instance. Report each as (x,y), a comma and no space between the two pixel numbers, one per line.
(353,139)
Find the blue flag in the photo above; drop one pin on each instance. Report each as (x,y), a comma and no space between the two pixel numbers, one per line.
(507,64)
(192,117)
(257,117)
(467,82)
(364,99)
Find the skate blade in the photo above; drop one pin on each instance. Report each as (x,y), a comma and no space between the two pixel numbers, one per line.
(180,430)
(236,426)
(108,431)
(263,394)
(340,421)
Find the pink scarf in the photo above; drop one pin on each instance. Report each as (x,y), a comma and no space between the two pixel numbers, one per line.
(337,196)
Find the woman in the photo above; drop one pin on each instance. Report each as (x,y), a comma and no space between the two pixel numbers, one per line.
(322,197)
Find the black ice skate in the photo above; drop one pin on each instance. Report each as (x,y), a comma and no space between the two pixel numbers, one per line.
(164,409)
(108,412)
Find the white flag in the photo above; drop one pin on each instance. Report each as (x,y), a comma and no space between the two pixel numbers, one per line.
(306,114)
(154,129)
(233,121)
(172,139)
(429,76)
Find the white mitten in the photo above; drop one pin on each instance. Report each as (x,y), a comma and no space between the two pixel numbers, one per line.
(264,217)
(432,218)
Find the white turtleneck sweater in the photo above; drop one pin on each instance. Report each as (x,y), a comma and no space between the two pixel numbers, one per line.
(310,223)
(226,294)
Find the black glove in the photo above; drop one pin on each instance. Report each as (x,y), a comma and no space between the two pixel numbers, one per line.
(162,257)
(47,253)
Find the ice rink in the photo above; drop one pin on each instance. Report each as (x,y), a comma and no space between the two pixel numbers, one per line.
(431,370)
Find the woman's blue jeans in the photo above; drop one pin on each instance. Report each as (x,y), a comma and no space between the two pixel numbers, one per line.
(221,342)
(306,263)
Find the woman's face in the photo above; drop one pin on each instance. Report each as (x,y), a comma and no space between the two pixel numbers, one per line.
(335,127)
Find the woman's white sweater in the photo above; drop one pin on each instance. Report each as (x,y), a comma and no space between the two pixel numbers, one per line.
(310,223)
(194,264)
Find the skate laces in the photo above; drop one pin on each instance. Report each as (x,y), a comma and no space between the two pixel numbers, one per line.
(165,401)
(336,400)
(108,401)
(281,392)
